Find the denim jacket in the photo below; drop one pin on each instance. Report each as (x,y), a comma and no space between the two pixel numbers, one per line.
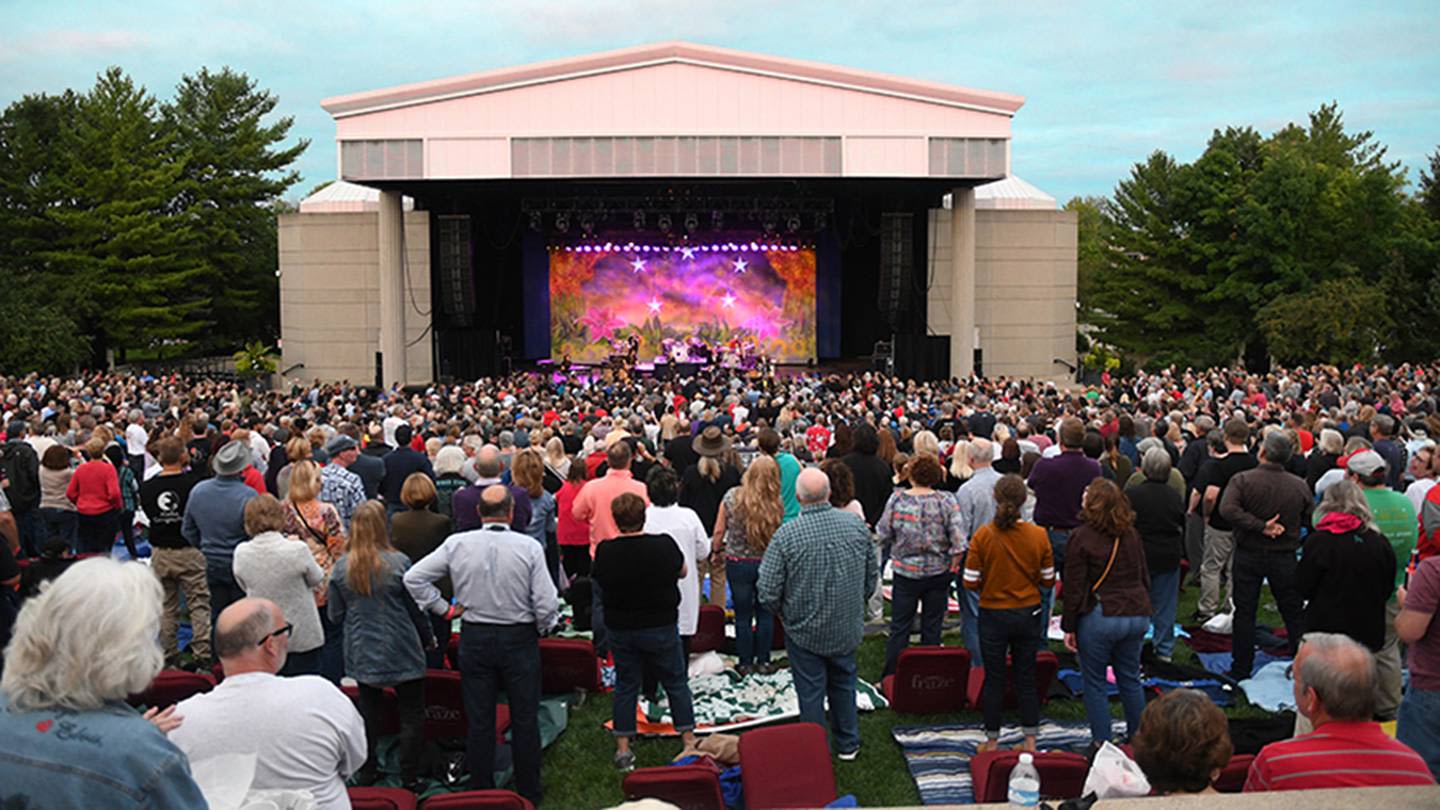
(385,632)
(110,757)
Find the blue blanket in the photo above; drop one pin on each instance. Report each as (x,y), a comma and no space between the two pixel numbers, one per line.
(1220,692)
(1220,662)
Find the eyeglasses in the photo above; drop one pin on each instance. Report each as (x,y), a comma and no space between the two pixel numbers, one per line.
(284,631)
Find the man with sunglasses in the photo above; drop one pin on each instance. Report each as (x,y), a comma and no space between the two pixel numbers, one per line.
(305,734)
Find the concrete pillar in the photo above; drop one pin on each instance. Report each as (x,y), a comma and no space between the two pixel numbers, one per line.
(392,288)
(962,288)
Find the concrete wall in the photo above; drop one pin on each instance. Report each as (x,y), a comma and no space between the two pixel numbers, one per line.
(330,295)
(1024,288)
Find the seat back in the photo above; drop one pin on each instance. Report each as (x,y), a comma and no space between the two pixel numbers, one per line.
(381,798)
(478,800)
(930,680)
(709,630)
(1046,665)
(786,766)
(688,787)
(1233,775)
(1062,774)
(445,717)
(568,665)
(172,686)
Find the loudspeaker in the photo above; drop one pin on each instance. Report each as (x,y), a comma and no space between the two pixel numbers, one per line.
(467,354)
(897,265)
(456,269)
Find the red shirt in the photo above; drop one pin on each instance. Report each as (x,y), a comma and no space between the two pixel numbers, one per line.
(95,488)
(254,480)
(568,530)
(1337,755)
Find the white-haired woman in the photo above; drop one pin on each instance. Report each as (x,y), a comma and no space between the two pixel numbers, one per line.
(1347,568)
(88,640)
(1325,457)
(449,478)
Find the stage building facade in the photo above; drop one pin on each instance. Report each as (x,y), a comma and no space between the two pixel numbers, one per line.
(668,192)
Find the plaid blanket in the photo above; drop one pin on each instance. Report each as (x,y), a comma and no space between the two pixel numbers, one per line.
(939,756)
(728,702)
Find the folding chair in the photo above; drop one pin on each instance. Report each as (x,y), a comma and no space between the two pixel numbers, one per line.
(478,800)
(1062,774)
(1046,665)
(172,686)
(786,766)
(568,665)
(689,787)
(445,717)
(709,630)
(929,680)
(381,798)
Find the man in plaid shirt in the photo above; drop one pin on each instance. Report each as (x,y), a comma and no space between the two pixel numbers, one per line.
(339,486)
(817,574)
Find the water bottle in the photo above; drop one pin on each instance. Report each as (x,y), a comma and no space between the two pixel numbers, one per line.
(1024,783)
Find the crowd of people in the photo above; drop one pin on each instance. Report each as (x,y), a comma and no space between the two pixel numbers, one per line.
(331,531)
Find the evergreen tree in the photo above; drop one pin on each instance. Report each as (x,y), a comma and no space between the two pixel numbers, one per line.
(234,171)
(1430,186)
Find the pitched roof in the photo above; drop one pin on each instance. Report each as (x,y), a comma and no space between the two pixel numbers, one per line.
(666,53)
(344,197)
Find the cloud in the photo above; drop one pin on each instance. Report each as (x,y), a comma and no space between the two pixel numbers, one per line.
(62,42)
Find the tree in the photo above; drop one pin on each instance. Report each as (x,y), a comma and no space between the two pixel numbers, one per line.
(234,173)
(1090,245)
(1430,186)
(1341,322)
(36,332)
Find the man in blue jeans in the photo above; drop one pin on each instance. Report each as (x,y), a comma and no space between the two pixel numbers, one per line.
(639,576)
(817,574)
(504,591)
(975,501)
(1058,483)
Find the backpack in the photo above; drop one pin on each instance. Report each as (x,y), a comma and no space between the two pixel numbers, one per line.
(22,469)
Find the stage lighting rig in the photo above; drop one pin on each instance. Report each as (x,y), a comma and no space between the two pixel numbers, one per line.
(663,221)
(692,222)
(562,222)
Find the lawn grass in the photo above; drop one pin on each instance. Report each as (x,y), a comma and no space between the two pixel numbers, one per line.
(577,772)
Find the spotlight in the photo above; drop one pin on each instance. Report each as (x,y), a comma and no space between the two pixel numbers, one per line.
(587,223)
(562,221)
(769,222)
(691,223)
(639,219)
(664,222)
(717,220)
(536,221)
(793,223)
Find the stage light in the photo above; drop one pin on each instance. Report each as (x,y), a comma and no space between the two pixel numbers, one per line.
(562,221)
(793,223)
(717,220)
(691,222)
(664,223)
(536,221)
(639,219)
(587,223)
(607,247)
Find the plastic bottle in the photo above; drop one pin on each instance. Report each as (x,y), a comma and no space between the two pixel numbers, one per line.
(1024,783)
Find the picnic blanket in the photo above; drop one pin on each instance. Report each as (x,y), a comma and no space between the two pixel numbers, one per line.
(1220,692)
(1221,662)
(1271,687)
(939,756)
(728,702)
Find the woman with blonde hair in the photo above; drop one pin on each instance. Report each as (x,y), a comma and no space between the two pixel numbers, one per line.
(297,450)
(318,524)
(271,565)
(386,636)
(960,469)
(557,465)
(527,471)
(417,531)
(748,518)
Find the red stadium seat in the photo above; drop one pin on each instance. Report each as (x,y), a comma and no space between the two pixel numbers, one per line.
(568,665)
(1232,776)
(445,716)
(1046,665)
(381,798)
(786,766)
(1062,774)
(710,630)
(928,680)
(172,686)
(478,800)
(688,787)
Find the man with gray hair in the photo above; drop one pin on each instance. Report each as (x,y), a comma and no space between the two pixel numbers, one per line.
(817,574)
(135,441)
(305,734)
(976,502)
(1335,691)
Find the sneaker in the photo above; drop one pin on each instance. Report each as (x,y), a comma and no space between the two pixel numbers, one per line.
(849,756)
(625,762)
(743,669)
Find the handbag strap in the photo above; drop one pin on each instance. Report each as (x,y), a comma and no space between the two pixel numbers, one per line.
(1101,581)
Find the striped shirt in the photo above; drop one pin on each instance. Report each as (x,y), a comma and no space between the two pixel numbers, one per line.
(1339,754)
(1009,567)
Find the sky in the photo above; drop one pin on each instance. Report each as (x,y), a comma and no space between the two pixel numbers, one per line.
(1105,83)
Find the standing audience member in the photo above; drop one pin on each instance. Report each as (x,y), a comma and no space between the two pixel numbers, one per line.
(1058,483)
(1268,506)
(399,464)
(465,504)
(527,471)
(769,443)
(416,533)
(281,569)
(1214,477)
(922,528)
(571,534)
(1107,605)
(1335,690)
(20,483)
(1160,519)
(817,574)
(666,517)
(448,479)
(318,524)
(1183,743)
(747,521)
(636,572)
(592,507)
(214,522)
(508,601)
(57,511)
(179,566)
(303,732)
(78,650)
(1347,570)
(129,497)
(702,487)
(842,487)
(340,487)
(1419,720)
(976,502)
(1395,519)
(95,491)
(386,636)
(1009,565)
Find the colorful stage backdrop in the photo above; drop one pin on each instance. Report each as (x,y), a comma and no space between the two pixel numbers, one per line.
(599,293)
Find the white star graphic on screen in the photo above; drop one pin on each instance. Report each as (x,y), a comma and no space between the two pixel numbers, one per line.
(654,305)
(638,264)
(740,265)
(687,253)
(727,300)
